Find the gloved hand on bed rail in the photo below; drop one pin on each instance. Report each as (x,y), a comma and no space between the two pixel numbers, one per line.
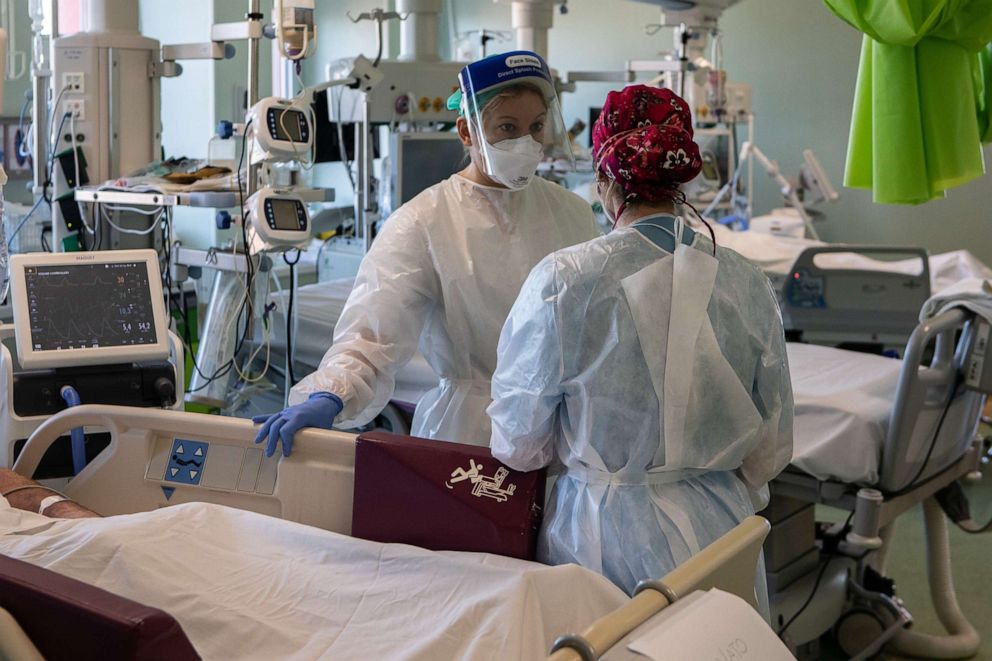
(319,410)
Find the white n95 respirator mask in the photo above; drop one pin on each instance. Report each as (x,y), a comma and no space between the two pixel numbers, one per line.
(513,162)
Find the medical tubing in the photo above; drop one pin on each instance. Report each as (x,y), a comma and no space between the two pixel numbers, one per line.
(24,220)
(963,641)
(71,398)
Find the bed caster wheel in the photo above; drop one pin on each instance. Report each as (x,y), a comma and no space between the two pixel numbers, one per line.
(391,420)
(857,629)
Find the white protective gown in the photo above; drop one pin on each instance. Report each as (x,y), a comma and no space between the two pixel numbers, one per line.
(661,385)
(444,271)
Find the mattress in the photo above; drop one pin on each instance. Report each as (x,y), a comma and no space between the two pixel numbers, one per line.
(842,405)
(248,586)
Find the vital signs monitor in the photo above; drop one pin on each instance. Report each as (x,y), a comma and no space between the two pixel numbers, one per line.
(88,308)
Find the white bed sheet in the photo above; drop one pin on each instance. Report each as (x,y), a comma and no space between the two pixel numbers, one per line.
(842,404)
(247,586)
(318,308)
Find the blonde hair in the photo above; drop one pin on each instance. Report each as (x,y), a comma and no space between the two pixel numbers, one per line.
(514,91)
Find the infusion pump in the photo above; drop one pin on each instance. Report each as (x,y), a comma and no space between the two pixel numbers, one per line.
(278,220)
(282,131)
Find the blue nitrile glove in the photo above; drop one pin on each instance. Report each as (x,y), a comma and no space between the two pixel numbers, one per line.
(319,410)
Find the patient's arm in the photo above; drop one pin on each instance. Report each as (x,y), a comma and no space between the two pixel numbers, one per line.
(30,498)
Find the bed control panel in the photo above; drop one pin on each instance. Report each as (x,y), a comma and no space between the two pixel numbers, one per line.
(212,465)
(978,362)
(805,291)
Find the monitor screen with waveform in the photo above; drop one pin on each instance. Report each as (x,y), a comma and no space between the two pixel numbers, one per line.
(80,306)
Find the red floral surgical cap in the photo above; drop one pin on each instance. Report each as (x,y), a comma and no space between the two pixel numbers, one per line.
(643,141)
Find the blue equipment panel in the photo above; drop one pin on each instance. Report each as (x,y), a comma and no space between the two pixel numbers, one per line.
(186,461)
(805,291)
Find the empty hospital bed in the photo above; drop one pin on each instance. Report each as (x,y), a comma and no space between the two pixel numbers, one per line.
(873,436)
(861,295)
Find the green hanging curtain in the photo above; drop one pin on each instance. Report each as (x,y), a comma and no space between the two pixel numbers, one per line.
(923,101)
(983,92)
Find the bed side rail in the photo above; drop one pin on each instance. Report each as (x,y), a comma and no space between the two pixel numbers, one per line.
(933,418)
(729,564)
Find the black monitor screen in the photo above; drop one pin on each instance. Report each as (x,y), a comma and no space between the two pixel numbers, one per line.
(426,162)
(287,125)
(89,305)
(285,214)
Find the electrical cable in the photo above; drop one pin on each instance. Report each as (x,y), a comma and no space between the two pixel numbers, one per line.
(832,553)
(51,165)
(289,316)
(247,304)
(913,484)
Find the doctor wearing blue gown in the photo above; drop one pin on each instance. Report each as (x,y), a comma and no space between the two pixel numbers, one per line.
(648,365)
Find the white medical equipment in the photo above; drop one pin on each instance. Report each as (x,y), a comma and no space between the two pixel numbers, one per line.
(94,321)
(409,92)
(812,177)
(296,31)
(278,220)
(282,130)
(874,445)
(106,105)
(728,564)
(88,308)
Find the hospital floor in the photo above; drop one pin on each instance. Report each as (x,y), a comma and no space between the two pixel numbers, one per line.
(970,565)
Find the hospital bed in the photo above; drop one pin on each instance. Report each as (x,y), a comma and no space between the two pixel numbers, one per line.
(860,296)
(338,590)
(873,437)
(853,295)
(249,586)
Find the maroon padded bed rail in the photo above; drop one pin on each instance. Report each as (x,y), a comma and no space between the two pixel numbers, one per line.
(71,620)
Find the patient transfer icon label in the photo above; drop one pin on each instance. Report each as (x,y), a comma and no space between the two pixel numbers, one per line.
(483,486)
(186,461)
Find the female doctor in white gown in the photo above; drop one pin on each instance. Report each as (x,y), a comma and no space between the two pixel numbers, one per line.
(649,366)
(447,266)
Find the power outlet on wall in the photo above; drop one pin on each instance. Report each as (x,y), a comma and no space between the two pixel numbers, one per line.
(74,82)
(76,108)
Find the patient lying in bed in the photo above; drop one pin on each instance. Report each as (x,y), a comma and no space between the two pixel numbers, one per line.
(244,585)
(24,494)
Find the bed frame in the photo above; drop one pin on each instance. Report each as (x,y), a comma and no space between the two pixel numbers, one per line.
(930,443)
(836,306)
(727,564)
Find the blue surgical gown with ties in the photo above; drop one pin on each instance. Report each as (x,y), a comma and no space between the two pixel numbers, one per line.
(657,384)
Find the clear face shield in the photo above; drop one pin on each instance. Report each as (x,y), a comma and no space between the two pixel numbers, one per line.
(514,117)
